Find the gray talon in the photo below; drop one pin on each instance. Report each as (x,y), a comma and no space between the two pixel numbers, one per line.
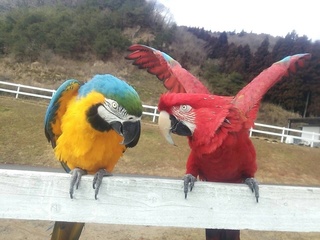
(97,180)
(188,181)
(76,175)
(254,186)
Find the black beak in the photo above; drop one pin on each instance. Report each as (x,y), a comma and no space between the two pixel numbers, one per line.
(178,127)
(130,132)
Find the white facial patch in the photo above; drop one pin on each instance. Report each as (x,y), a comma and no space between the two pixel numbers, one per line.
(106,114)
(185,114)
(111,111)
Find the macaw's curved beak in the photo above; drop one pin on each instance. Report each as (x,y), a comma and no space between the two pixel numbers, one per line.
(169,124)
(165,126)
(130,131)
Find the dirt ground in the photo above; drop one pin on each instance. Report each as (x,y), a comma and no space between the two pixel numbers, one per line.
(41,230)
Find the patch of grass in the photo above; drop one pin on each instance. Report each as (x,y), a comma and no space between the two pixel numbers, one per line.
(274,115)
(4,109)
(280,163)
(22,139)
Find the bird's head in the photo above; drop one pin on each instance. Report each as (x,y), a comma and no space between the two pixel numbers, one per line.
(118,108)
(198,116)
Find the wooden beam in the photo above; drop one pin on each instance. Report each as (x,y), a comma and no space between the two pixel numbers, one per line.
(158,202)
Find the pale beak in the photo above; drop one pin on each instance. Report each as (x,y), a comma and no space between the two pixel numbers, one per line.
(165,126)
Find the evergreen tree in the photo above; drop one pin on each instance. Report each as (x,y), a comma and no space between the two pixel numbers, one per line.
(299,92)
(260,60)
(218,47)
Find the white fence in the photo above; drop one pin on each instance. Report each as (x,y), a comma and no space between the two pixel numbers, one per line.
(23,90)
(285,135)
(20,89)
(281,132)
(33,195)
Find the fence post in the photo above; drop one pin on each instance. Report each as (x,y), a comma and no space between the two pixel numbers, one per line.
(312,142)
(282,134)
(250,132)
(154,115)
(18,89)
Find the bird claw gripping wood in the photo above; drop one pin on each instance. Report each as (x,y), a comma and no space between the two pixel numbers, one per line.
(76,175)
(97,180)
(254,186)
(188,180)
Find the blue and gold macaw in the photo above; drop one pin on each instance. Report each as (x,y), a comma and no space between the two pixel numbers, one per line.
(90,126)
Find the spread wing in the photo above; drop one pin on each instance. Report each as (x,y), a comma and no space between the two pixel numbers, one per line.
(250,96)
(174,77)
(57,107)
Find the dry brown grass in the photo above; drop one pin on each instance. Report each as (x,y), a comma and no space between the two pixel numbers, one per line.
(50,74)
(22,141)
(274,115)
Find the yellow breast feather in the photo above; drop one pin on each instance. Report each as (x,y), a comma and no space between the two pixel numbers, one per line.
(80,145)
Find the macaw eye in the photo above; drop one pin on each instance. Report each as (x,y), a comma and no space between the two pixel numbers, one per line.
(115,105)
(185,108)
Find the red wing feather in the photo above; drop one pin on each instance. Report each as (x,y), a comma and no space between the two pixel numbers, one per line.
(171,83)
(249,97)
(145,62)
(175,78)
(148,58)
(158,70)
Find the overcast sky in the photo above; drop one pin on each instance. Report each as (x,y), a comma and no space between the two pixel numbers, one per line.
(274,17)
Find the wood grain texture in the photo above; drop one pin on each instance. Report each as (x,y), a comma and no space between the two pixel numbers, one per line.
(158,202)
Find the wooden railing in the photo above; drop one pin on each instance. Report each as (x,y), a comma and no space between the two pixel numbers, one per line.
(148,201)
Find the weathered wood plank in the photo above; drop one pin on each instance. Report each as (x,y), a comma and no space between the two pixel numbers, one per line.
(158,202)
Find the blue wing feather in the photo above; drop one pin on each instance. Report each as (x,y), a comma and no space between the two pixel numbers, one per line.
(59,98)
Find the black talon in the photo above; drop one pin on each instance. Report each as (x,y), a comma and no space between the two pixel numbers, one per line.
(188,180)
(97,180)
(76,175)
(254,186)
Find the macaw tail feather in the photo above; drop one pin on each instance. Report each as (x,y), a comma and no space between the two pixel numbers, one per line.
(248,99)
(67,231)
(222,234)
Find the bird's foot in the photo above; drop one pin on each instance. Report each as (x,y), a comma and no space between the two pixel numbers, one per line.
(254,186)
(97,180)
(188,181)
(76,175)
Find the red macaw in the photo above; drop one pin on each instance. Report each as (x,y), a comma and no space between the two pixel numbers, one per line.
(216,126)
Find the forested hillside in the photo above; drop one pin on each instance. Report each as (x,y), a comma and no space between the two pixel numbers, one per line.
(76,30)
(86,30)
